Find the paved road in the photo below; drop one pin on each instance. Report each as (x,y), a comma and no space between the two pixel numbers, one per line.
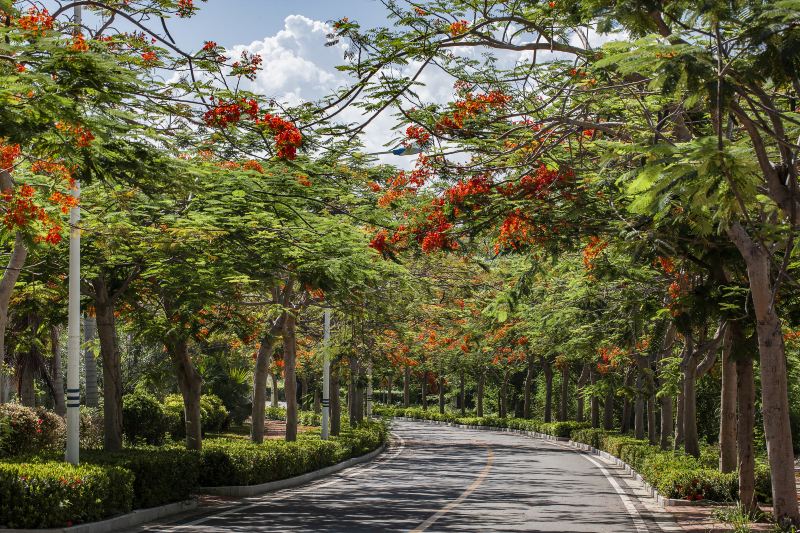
(438,478)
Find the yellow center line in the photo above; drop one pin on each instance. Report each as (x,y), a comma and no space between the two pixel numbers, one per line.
(464,495)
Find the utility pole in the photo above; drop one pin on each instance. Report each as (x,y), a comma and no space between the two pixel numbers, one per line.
(369,389)
(74,316)
(326,376)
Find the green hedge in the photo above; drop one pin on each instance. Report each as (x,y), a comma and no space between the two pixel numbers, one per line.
(227,462)
(25,430)
(161,475)
(213,415)
(56,494)
(304,418)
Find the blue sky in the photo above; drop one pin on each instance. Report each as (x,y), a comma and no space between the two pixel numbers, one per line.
(231,22)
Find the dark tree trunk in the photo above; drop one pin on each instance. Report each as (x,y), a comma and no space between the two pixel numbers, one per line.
(563,413)
(745,406)
(263,359)
(112,373)
(690,443)
(89,361)
(58,376)
(317,402)
(548,390)
(666,422)
(638,409)
(594,405)
(274,399)
(679,412)
(407,387)
(479,394)
(608,410)
(189,383)
(289,376)
(441,395)
(727,417)
(625,423)
(335,399)
(389,384)
(424,392)
(584,377)
(304,393)
(526,406)
(462,396)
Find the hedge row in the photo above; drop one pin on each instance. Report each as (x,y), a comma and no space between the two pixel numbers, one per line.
(43,492)
(556,429)
(675,474)
(146,420)
(304,418)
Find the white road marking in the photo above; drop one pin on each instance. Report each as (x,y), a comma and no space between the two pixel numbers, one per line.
(626,500)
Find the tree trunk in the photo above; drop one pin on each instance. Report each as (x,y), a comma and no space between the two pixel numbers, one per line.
(317,402)
(441,394)
(89,361)
(727,417)
(112,374)
(389,385)
(462,396)
(774,389)
(189,383)
(289,377)
(304,393)
(25,371)
(564,407)
(582,379)
(407,387)
(335,400)
(526,405)
(608,410)
(548,390)
(263,360)
(594,405)
(479,394)
(424,386)
(7,282)
(666,421)
(745,423)
(638,409)
(625,423)
(58,376)
(679,412)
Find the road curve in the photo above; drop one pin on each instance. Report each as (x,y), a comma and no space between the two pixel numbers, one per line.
(439,478)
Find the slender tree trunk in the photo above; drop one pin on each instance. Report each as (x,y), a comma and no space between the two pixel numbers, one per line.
(594,405)
(25,389)
(666,422)
(462,396)
(335,400)
(263,359)
(289,377)
(389,384)
(407,386)
(774,388)
(424,387)
(58,376)
(441,394)
(89,361)
(503,397)
(317,402)
(304,393)
(652,435)
(112,374)
(274,399)
(8,280)
(638,409)
(189,383)
(625,423)
(479,394)
(564,397)
(690,443)
(548,390)
(582,379)
(526,405)
(746,418)
(679,412)
(608,410)
(727,417)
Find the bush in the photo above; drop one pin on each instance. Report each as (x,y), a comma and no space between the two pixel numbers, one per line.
(228,462)
(57,494)
(213,415)
(592,437)
(24,430)
(160,475)
(143,419)
(275,413)
(174,414)
(91,427)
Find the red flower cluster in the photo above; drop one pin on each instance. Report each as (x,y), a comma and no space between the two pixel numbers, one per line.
(432,235)
(418,134)
(470,107)
(79,44)
(209,46)
(225,113)
(57,170)
(536,187)
(254,165)
(64,201)
(36,21)
(8,154)
(475,186)
(20,208)
(458,28)
(149,57)
(248,66)
(516,232)
(595,246)
(378,242)
(287,137)
(83,136)
(186,8)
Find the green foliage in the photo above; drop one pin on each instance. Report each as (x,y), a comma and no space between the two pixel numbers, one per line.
(143,419)
(213,414)
(55,494)
(25,430)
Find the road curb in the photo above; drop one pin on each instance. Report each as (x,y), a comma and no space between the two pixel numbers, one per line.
(121,522)
(579,446)
(243,491)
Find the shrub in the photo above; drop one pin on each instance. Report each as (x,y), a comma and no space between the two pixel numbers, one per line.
(91,427)
(309,418)
(58,494)
(174,414)
(592,437)
(24,430)
(160,475)
(213,415)
(275,413)
(562,429)
(143,419)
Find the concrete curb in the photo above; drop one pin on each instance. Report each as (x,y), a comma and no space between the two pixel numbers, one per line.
(243,491)
(660,500)
(118,523)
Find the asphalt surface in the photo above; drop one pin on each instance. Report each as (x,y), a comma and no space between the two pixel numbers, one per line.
(439,478)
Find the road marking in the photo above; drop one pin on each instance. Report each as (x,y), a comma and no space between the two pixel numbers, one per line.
(464,495)
(626,500)
(288,493)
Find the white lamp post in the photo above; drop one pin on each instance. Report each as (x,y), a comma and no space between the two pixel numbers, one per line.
(326,376)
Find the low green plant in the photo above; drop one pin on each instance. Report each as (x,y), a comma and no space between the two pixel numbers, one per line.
(24,430)
(143,419)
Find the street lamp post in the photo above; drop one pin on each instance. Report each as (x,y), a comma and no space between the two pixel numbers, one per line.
(74,317)
(326,376)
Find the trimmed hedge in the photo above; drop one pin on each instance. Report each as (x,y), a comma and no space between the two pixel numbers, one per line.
(161,475)
(304,418)
(213,415)
(143,419)
(227,462)
(56,494)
